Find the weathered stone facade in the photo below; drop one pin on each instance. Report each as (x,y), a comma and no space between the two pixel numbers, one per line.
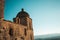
(19,29)
(15,31)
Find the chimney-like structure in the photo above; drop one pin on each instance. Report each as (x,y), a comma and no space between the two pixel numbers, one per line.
(1,9)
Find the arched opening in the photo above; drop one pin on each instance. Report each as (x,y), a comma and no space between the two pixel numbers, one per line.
(11,32)
(25,32)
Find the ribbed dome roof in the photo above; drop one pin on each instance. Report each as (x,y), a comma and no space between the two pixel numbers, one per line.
(22,13)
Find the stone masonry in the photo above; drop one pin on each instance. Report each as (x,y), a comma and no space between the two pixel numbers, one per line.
(20,29)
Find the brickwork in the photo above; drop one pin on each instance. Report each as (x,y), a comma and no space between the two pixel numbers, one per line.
(1,8)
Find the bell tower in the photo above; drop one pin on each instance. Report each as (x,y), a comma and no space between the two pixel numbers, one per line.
(1,9)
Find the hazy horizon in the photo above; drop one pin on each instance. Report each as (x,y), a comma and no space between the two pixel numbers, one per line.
(45,14)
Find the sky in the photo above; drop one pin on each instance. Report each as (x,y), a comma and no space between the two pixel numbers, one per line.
(45,14)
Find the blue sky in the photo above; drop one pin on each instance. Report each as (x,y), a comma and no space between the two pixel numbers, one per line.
(45,14)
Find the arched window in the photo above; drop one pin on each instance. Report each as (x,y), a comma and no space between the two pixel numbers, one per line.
(25,32)
(11,32)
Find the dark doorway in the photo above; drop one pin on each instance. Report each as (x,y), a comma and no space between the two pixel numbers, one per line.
(11,32)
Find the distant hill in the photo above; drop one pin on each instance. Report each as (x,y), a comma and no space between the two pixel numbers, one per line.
(48,37)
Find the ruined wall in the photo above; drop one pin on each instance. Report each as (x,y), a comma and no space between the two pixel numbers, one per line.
(13,31)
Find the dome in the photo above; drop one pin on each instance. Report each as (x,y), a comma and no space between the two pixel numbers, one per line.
(22,13)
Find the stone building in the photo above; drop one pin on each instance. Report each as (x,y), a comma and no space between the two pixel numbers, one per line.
(20,29)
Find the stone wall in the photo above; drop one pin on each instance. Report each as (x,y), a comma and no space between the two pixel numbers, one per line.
(20,29)
(13,31)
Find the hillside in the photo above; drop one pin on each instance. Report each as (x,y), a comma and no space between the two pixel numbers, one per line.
(48,37)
